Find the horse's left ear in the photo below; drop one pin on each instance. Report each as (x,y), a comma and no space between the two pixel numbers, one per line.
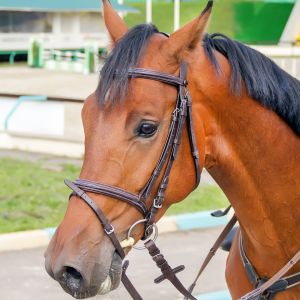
(114,23)
(187,37)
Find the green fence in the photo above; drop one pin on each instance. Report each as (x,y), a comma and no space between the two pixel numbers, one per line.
(261,22)
(85,61)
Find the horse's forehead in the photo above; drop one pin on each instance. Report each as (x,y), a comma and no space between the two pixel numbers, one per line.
(141,91)
(156,40)
(153,55)
(135,101)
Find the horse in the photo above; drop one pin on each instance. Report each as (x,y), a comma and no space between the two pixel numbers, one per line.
(246,122)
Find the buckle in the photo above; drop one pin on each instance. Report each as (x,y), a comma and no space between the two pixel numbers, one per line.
(175,114)
(157,204)
(110,231)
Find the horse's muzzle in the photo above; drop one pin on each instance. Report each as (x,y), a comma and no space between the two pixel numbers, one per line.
(75,282)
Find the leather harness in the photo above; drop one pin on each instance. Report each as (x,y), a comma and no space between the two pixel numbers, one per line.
(268,288)
(182,114)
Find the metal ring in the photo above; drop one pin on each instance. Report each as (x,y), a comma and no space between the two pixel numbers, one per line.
(155,229)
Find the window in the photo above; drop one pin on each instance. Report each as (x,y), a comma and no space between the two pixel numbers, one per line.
(91,23)
(26,22)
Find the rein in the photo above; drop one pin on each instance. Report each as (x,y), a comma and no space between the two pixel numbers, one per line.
(181,115)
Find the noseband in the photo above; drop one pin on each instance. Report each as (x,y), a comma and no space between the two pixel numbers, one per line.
(182,114)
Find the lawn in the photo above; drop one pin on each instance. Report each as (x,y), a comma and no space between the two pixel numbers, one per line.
(206,197)
(163,16)
(33,195)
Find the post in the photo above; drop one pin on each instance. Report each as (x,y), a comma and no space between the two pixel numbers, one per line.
(176,14)
(35,54)
(89,59)
(149,11)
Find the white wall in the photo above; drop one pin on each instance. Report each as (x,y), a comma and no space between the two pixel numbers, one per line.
(34,118)
(70,31)
(292,29)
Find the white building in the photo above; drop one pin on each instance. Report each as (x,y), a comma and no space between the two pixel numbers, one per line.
(61,24)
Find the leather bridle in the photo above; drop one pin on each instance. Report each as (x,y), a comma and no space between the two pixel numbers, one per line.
(182,114)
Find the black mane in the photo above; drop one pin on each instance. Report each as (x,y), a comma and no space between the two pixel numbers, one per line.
(264,80)
(125,54)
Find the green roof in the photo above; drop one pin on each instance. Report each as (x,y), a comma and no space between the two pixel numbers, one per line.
(59,5)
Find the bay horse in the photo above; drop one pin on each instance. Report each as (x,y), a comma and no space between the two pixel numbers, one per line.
(246,122)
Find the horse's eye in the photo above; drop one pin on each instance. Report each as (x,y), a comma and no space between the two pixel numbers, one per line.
(146,130)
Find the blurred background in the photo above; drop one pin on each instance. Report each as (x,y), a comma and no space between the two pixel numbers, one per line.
(50,56)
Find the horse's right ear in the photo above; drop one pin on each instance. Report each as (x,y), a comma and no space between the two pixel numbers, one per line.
(188,37)
(114,23)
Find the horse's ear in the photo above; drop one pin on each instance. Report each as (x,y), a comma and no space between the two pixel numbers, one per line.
(187,37)
(114,23)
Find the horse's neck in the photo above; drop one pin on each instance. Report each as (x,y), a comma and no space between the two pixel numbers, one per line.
(254,157)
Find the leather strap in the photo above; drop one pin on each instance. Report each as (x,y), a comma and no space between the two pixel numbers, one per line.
(167,271)
(108,228)
(157,76)
(213,250)
(275,284)
(180,114)
(293,280)
(145,193)
(127,283)
(111,191)
(176,127)
(192,137)
(252,275)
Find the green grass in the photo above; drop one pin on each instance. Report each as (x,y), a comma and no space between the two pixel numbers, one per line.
(163,16)
(206,197)
(33,196)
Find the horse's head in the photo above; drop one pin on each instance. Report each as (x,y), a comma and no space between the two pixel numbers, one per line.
(126,124)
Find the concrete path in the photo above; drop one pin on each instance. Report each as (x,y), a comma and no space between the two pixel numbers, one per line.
(54,84)
(22,274)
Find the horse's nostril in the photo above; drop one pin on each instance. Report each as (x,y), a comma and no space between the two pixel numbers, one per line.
(73,273)
(72,279)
